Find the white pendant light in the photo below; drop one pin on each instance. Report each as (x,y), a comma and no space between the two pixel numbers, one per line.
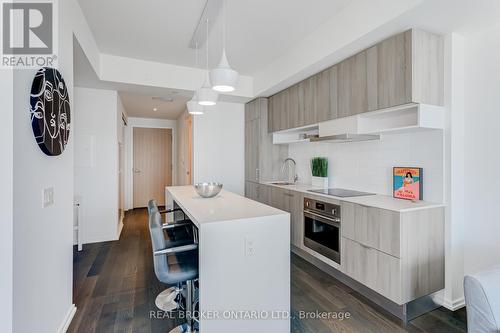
(193,107)
(224,78)
(207,96)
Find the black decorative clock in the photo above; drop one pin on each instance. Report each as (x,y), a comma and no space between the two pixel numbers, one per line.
(50,111)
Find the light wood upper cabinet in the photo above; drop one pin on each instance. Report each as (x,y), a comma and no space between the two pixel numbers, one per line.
(322,96)
(262,158)
(278,111)
(307,100)
(295,116)
(405,68)
(352,88)
(410,68)
(334,96)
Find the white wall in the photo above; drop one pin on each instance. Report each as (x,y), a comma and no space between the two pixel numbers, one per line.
(367,166)
(218,146)
(482,119)
(96,163)
(129,151)
(6,204)
(43,237)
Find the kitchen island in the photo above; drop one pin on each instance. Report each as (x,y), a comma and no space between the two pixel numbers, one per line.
(244,261)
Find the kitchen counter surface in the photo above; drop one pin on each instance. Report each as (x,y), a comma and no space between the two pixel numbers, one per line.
(241,242)
(224,207)
(377,200)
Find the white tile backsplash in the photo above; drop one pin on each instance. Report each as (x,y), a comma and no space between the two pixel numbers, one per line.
(367,166)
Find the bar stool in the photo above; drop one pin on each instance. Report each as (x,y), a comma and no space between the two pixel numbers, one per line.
(174,265)
(173,228)
(169,299)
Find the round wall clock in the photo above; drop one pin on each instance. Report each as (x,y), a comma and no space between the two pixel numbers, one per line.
(50,111)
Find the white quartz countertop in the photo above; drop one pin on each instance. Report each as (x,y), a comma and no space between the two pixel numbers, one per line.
(225,206)
(377,200)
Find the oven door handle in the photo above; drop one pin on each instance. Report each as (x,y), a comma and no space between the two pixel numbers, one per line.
(321,218)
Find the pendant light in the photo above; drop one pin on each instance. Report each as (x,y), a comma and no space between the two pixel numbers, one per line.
(207,96)
(193,107)
(224,78)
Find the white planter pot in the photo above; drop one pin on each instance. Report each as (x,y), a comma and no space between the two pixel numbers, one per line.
(321,182)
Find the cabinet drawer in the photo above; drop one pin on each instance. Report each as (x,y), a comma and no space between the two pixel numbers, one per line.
(373,227)
(375,269)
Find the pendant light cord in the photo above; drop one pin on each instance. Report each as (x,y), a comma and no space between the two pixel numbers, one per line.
(223,25)
(196,55)
(207,46)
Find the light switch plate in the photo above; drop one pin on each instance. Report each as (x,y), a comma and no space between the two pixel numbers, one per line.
(249,247)
(48,197)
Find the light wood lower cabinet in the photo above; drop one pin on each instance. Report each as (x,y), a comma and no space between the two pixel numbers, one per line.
(399,255)
(375,269)
(374,227)
(296,203)
(291,202)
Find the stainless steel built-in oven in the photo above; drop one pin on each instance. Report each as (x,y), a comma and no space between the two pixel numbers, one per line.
(322,228)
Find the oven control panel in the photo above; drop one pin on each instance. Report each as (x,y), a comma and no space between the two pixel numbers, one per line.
(324,208)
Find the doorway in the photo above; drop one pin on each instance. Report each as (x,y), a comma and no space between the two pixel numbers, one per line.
(152,165)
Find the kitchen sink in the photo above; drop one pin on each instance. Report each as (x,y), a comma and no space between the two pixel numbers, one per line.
(281,183)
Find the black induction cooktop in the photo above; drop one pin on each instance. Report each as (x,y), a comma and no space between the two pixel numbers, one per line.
(341,192)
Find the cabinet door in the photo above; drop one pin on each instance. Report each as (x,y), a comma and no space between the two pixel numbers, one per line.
(263,194)
(373,227)
(251,190)
(353,85)
(252,110)
(277,198)
(394,70)
(322,96)
(334,96)
(283,110)
(307,100)
(296,203)
(252,132)
(271,127)
(376,270)
(295,117)
(372,77)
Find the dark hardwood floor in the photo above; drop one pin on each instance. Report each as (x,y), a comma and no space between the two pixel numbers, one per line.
(115,290)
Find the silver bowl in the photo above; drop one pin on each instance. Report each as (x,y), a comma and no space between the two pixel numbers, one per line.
(208,190)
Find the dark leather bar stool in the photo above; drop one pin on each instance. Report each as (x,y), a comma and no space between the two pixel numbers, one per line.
(175,265)
(176,235)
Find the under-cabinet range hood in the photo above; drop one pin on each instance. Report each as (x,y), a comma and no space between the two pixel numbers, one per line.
(346,137)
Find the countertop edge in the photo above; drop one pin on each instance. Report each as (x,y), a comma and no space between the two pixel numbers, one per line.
(355,200)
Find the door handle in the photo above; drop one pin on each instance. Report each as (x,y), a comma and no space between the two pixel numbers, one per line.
(137,171)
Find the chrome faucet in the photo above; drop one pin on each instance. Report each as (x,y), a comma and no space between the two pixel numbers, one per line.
(282,172)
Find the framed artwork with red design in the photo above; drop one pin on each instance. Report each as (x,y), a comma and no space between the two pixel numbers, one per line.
(407,183)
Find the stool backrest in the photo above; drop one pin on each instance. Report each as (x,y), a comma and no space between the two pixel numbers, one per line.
(152,207)
(158,243)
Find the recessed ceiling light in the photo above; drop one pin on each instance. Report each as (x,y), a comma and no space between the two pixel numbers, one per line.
(155,109)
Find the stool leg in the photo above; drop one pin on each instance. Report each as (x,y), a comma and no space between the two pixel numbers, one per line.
(188,326)
(189,306)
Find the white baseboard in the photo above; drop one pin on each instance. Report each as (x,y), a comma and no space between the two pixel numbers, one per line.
(451,305)
(120,227)
(67,320)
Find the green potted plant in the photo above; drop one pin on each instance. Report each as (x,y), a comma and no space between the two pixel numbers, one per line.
(319,169)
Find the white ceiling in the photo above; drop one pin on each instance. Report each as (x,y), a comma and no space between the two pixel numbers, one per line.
(138,105)
(258,31)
